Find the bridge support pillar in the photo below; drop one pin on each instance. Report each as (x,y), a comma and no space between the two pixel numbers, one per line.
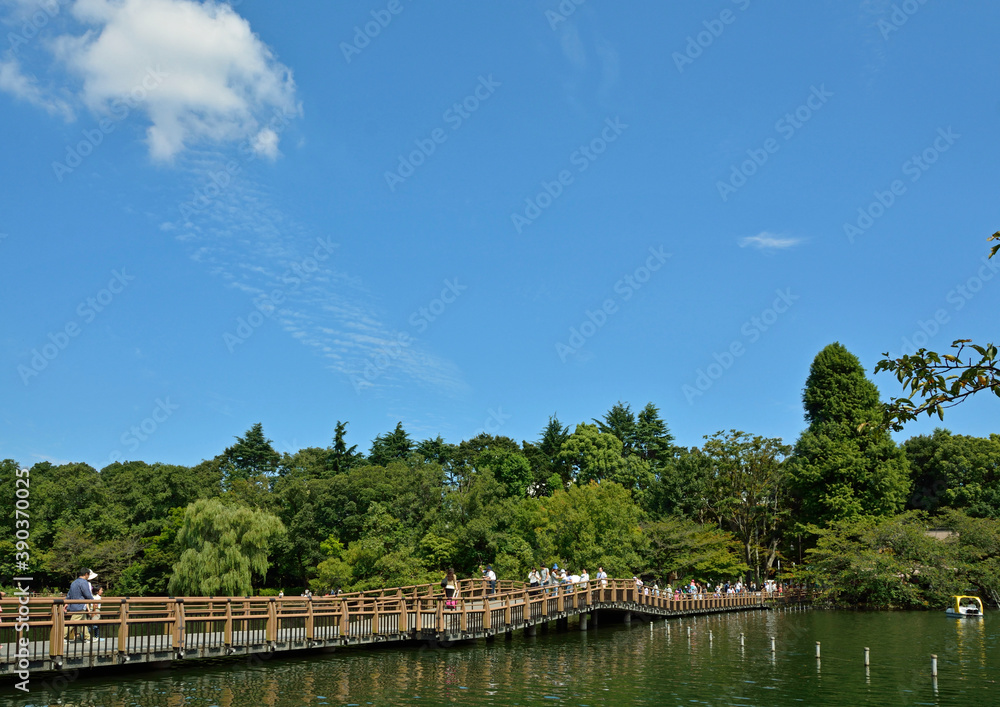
(562,624)
(545,626)
(508,635)
(531,631)
(584,619)
(490,638)
(628,617)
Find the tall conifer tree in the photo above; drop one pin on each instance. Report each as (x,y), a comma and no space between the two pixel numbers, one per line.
(844,465)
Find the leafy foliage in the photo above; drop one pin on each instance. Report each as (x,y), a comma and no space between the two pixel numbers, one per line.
(843,466)
(940,381)
(224,548)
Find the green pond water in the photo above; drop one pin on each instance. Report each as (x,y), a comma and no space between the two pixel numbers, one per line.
(614,664)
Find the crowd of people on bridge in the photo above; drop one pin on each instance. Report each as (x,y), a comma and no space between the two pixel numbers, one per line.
(550,580)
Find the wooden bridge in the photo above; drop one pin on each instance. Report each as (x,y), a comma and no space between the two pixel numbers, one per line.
(161,630)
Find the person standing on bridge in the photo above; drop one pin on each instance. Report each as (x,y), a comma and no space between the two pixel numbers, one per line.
(79,589)
(450,584)
(491,579)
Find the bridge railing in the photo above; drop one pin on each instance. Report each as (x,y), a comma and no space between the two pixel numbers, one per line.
(149,625)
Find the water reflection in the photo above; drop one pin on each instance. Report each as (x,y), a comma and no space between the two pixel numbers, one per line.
(612,665)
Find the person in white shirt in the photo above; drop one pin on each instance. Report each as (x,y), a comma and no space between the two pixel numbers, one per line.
(602,576)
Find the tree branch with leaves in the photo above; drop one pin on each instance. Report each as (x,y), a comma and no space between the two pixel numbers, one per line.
(936,382)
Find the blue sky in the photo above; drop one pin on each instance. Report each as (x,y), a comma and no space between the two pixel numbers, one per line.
(469,216)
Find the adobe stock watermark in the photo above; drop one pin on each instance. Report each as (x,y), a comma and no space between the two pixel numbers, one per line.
(135,435)
(120,109)
(899,16)
(787,127)
(38,19)
(455,116)
(562,12)
(217,182)
(914,168)
(957,297)
(625,288)
(265,305)
(751,331)
(495,419)
(581,158)
(86,311)
(386,355)
(364,34)
(697,44)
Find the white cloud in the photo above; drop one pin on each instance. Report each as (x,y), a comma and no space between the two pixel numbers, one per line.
(768,241)
(14,81)
(196,70)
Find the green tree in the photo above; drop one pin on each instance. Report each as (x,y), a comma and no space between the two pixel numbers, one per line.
(747,493)
(545,460)
(620,422)
(682,549)
(252,459)
(593,455)
(394,445)
(682,487)
(955,471)
(223,548)
(341,457)
(653,441)
(893,562)
(844,465)
(585,527)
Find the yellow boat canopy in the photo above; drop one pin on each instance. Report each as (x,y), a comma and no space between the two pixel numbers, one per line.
(976,600)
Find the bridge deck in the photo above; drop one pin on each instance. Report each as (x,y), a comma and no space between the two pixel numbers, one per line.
(145,630)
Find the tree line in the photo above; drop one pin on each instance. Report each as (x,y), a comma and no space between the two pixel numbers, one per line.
(845,507)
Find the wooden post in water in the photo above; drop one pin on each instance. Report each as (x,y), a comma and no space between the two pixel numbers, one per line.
(933,665)
(817,650)
(867,657)
(772,644)
(741,640)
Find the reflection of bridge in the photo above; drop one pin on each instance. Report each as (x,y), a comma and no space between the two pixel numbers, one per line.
(157,630)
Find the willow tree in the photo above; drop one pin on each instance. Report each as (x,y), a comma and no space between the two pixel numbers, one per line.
(223,548)
(844,465)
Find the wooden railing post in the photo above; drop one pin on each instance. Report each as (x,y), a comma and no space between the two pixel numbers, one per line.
(506,612)
(463,622)
(123,627)
(178,632)
(310,621)
(374,616)
(439,617)
(404,622)
(227,631)
(345,620)
(57,642)
(271,632)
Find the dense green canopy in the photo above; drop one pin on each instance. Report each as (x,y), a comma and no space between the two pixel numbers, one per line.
(615,493)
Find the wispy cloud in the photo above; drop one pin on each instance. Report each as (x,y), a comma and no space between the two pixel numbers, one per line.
(257,249)
(768,241)
(26,88)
